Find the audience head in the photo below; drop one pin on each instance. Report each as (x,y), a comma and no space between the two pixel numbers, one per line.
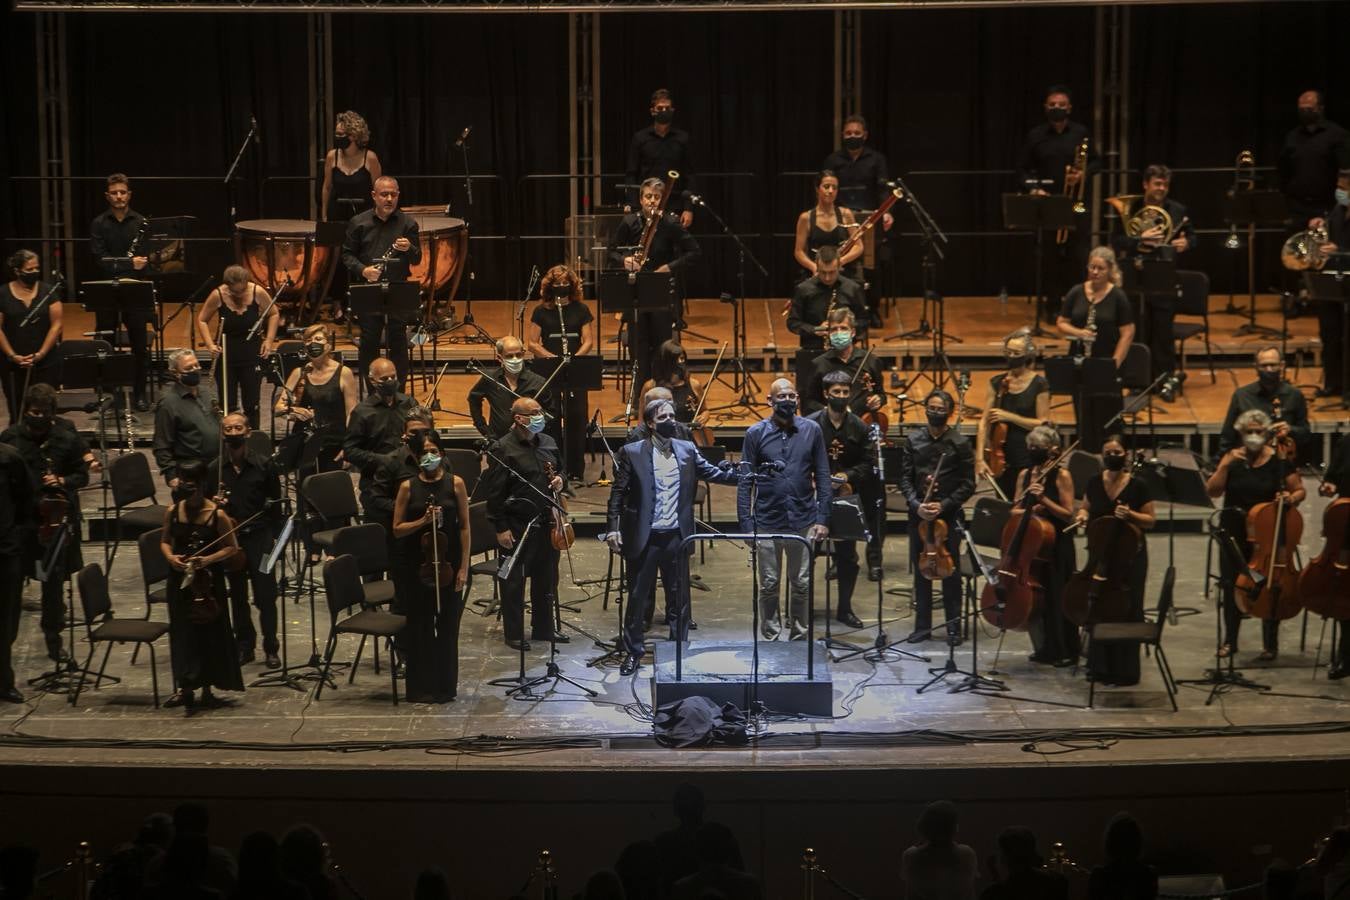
(259,859)
(603,885)
(715,845)
(156,831)
(303,854)
(638,867)
(1124,839)
(689,804)
(434,884)
(937,822)
(1017,848)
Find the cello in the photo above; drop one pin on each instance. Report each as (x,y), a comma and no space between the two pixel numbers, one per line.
(1028,539)
(1096,592)
(1324,583)
(935,561)
(1274,529)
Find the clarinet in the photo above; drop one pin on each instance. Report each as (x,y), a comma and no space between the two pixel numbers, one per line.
(1090,325)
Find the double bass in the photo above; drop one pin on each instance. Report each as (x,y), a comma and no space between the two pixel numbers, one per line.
(1028,543)
(935,561)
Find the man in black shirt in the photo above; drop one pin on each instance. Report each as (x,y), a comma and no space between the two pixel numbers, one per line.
(863,185)
(515,487)
(1263,394)
(844,355)
(1045,166)
(658,149)
(187,420)
(382,245)
(1159,308)
(501,387)
(18,509)
(813,299)
(376,425)
(673,250)
(926,445)
(250,487)
(111,236)
(1311,155)
(1331,316)
(850,450)
(55,455)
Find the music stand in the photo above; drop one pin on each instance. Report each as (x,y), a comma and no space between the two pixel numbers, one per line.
(1038,213)
(100,371)
(649,292)
(120,295)
(1331,285)
(581,373)
(1253,209)
(1147,275)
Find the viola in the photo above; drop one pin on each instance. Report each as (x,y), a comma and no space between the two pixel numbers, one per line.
(935,561)
(1097,592)
(1324,584)
(1284,444)
(1274,529)
(436,569)
(53,509)
(561,534)
(995,456)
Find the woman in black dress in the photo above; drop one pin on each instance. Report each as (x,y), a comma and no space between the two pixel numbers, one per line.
(827,224)
(431,640)
(1247,475)
(321,393)
(670,370)
(1020,398)
(1098,316)
(201,642)
(27,339)
(563,314)
(349,173)
(239,303)
(1116,492)
(1054,639)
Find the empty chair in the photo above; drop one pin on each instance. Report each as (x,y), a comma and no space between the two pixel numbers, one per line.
(100,626)
(1193,302)
(342,583)
(483,541)
(468,465)
(130,481)
(155,574)
(332,499)
(1149,634)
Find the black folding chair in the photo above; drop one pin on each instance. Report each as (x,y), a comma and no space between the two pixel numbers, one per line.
(333,499)
(483,541)
(342,584)
(100,626)
(368,545)
(130,481)
(1149,634)
(1193,301)
(467,464)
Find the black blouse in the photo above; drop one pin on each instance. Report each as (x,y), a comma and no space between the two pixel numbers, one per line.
(1135,495)
(574,317)
(1113,313)
(1021,404)
(29,338)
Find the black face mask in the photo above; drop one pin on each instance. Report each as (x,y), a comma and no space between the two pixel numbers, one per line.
(664,116)
(387,388)
(1038,455)
(853,142)
(341,141)
(1114,462)
(1309,116)
(315,349)
(837,404)
(236,440)
(560,292)
(183,493)
(665,429)
(937,419)
(785,409)
(38,424)
(28,279)
(190,379)
(1269,380)
(1057,114)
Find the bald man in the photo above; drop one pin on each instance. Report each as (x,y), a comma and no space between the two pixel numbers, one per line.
(382,245)
(514,487)
(376,424)
(501,387)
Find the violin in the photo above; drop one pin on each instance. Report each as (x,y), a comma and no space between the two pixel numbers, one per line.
(869,386)
(560,534)
(1284,444)
(436,569)
(1028,543)
(995,457)
(1324,584)
(1096,592)
(197,582)
(53,510)
(935,561)
(1274,529)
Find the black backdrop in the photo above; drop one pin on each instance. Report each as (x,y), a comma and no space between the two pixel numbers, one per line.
(170,95)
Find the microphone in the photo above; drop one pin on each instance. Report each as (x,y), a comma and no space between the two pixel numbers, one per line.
(253,124)
(591,427)
(463,136)
(772,465)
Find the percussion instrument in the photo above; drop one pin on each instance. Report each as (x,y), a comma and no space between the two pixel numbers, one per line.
(445,247)
(286,258)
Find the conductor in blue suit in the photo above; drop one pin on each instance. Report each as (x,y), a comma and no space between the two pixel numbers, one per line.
(651,512)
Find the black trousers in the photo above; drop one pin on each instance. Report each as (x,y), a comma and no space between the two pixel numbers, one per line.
(1330,319)
(1235,524)
(256,545)
(845,556)
(53,621)
(1159,315)
(923,588)
(377,330)
(11,606)
(538,562)
(241,383)
(646,333)
(576,416)
(136,323)
(662,555)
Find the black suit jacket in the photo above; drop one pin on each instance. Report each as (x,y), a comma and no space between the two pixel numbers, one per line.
(632,499)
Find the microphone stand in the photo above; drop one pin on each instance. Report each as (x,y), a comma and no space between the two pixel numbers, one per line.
(234,166)
(480,336)
(973,680)
(743,381)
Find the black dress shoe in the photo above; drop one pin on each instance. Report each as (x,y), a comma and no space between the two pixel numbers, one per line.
(142,405)
(874,573)
(556,637)
(519,645)
(175,699)
(11,695)
(273,661)
(631,663)
(849,619)
(57,653)
(247,655)
(1339,672)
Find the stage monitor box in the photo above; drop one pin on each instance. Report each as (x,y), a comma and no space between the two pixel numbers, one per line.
(720,671)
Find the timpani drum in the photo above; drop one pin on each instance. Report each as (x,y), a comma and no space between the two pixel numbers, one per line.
(445,245)
(287,257)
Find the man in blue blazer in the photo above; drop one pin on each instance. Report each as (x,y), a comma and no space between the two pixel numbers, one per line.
(651,512)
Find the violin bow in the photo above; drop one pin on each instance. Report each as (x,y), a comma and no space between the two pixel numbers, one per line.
(708,387)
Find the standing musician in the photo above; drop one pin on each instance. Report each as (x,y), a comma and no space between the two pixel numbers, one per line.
(201,644)
(651,512)
(794,495)
(1278,399)
(670,370)
(249,485)
(672,250)
(1019,399)
(112,236)
(863,185)
(28,337)
(1116,492)
(1335,484)
(1100,319)
(349,173)
(321,394)
(18,510)
(849,448)
(564,317)
(1046,166)
(382,244)
(955,482)
(435,500)
(56,458)
(375,426)
(1313,151)
(239,303)
(1330,316)
(392,471)
(816,297)
(1054,639)
(660,148)
(827,224)
(518,513)
(1247,475)
(187,421)
(502,387)
(844,355)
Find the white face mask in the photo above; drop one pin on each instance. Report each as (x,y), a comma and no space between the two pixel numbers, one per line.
(1254,442)
(513,365)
